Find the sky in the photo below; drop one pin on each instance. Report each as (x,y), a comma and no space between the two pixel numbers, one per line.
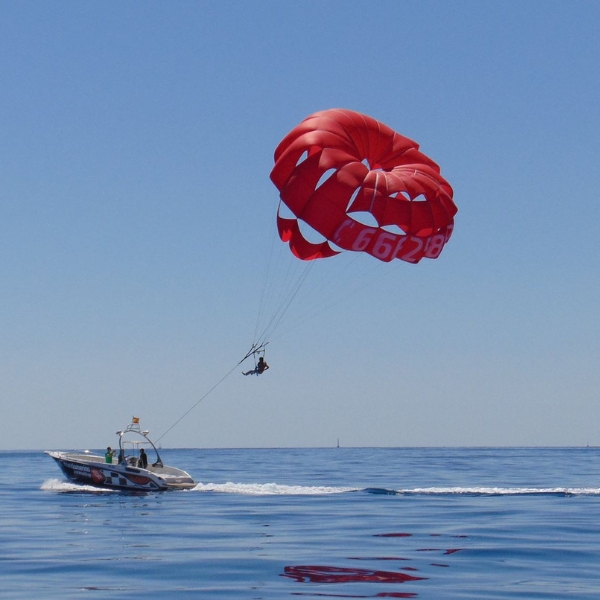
(137,225)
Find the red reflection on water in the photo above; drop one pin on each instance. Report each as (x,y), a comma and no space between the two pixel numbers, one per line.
(330,574)
(326,574)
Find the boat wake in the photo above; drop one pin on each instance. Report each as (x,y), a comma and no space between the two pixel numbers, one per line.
(486,491)
(275,489)
(58,485)
(270,489)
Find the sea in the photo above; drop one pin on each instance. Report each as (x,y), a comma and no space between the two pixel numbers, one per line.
(427,523)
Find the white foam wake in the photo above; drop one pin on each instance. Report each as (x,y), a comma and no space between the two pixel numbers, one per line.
(275,489)
(270,489)
(58,485)
(500,491)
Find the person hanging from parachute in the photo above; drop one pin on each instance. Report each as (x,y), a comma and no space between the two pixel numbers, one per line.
(260,368)
(260,365)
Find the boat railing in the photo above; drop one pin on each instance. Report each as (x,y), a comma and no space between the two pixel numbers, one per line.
(135,428)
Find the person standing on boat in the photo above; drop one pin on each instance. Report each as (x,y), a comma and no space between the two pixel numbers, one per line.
(143,462)
(109,455)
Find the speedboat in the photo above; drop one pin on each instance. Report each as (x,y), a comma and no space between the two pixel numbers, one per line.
(129,469)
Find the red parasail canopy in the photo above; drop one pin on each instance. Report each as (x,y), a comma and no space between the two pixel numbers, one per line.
(339,168)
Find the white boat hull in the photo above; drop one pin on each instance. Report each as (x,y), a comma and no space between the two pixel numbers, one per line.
(91,469)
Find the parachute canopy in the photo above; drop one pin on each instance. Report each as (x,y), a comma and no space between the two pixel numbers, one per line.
(361,186)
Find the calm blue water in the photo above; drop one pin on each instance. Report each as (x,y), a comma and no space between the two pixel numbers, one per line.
(313,523)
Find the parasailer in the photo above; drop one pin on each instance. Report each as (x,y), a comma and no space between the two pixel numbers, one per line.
(260,368)
(349,183)
(362,187)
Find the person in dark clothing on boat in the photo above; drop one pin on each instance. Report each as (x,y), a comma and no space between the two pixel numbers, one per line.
(143,462)
(260,368)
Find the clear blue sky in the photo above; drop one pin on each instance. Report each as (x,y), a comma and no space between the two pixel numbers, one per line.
(137,215)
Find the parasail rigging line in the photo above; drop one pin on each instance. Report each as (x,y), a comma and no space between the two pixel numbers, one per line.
(281,284)
(264,286)
(255,349)
(187,412)
(283,306)
(337,295)
(288,279)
